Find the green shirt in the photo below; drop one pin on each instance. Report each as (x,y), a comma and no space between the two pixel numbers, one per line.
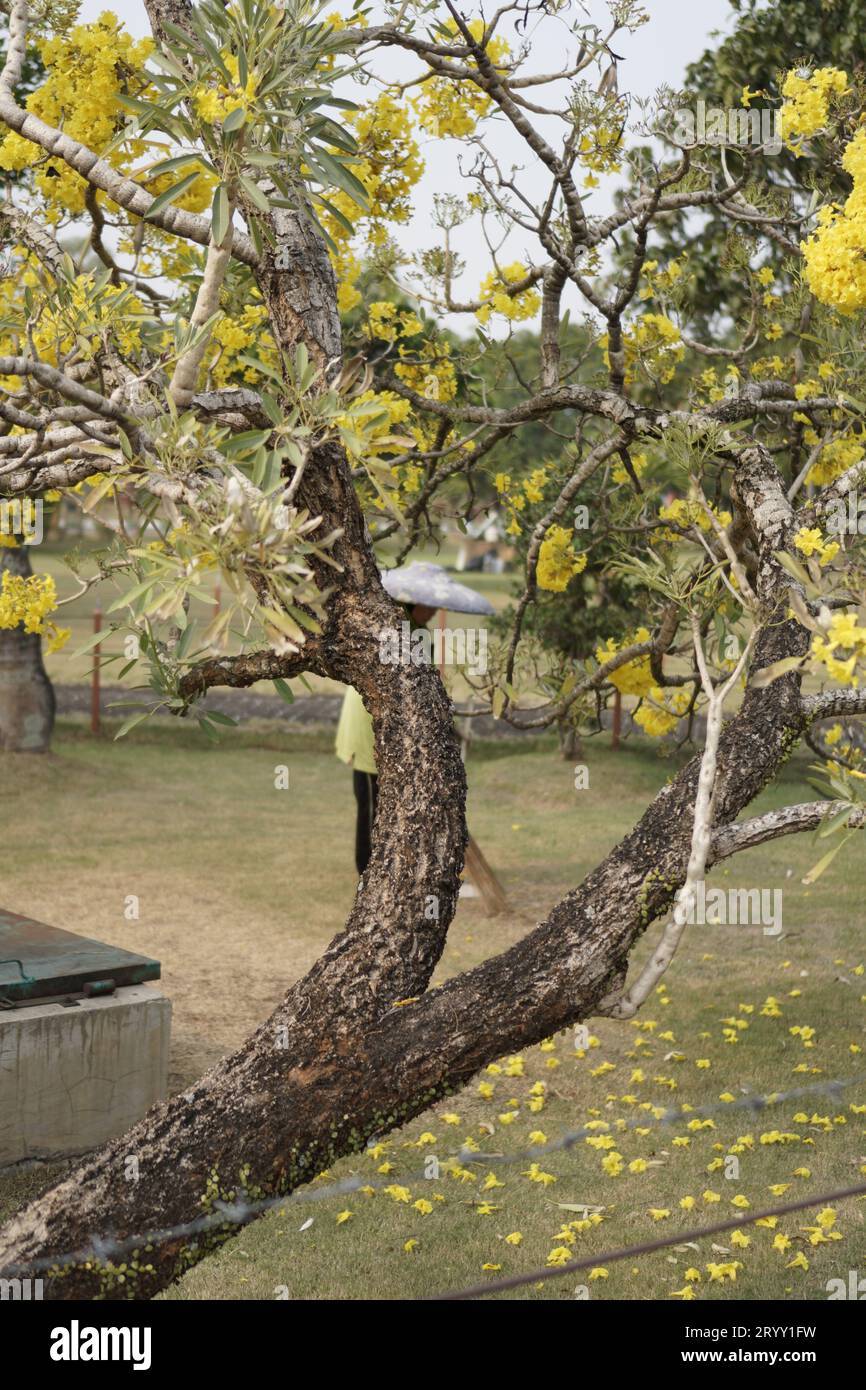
(354,744)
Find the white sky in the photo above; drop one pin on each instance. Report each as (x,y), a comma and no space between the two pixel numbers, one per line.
(656,55)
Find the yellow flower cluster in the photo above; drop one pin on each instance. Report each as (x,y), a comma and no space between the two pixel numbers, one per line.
(635,677)
(843,634)
(500,298)
(388,322)
(518,493)
(655,342)
(235,334)
(599,149)
(213,104)
(835,459)
(810,541)
(661,709)
(27,600)
(389,166)
(806,108)
(835,266)
(445,107)
(85,320)
(660,282)
(430,372)
(690,513)
(87,69)
(557,561)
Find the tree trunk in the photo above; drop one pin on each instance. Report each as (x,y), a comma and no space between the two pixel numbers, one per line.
(26,694)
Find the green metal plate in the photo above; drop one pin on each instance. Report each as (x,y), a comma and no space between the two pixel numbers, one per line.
(38,961)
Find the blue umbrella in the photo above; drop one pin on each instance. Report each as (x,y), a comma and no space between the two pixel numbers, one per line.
(433,587)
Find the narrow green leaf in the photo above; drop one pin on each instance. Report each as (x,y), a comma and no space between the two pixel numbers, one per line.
(220,214)
(162,200)
(130,723)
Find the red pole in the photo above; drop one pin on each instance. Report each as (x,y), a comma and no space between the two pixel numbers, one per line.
(617,720)
(94,687)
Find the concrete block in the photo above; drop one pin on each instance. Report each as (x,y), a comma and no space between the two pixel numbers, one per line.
(71,1078)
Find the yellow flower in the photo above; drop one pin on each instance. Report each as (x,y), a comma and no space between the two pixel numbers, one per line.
(397,1193)
(806,108)
(499,297)
(557,562)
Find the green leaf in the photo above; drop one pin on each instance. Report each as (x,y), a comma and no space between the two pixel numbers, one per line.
(220,214)
(794,568)
(207,728)
(167,166)
(218,718)
(234,120)
(91,642)
(829,827)
(817,869)
(162,200)
(131,723)
(284,690)
(254,193)
(338,175)
(136,592)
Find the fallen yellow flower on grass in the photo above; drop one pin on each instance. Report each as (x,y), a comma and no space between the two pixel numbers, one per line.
(560,1255)
(686,1293)
(397,1193)
(343,1216)
(491,1181)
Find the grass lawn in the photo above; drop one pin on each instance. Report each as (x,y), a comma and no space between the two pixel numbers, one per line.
(240,886)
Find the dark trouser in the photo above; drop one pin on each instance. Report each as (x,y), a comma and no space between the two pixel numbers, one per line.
(366,789)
